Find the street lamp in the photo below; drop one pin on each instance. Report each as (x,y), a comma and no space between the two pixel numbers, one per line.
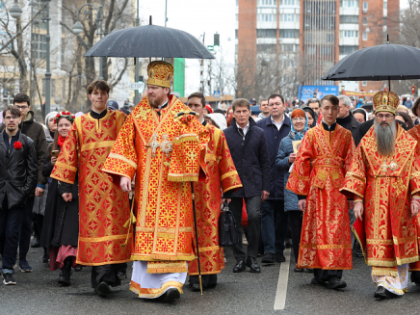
(15,10)
(78,28)
(46,18)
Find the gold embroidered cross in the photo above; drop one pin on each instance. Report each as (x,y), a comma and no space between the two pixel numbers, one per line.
(192,155)
(143,113)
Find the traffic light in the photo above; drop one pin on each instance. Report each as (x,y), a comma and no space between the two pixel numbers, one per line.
(216,41)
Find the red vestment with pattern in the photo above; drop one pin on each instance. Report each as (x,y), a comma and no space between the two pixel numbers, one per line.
(164,153)
(318,173)
(388,233)
(221,177)
(103,206)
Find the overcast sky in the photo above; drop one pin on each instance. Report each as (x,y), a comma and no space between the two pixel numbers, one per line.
(198,17)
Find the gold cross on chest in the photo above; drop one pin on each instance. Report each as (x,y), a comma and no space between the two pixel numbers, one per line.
(192,155)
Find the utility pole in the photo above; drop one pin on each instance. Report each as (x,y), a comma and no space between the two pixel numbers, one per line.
(46,18)
(202,70)
(136,62)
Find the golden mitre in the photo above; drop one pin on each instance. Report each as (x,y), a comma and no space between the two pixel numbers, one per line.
(385,101)
(160,73)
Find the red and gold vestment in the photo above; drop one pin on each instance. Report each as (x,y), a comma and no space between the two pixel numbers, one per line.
(318,172)
(104,207)
(164,153)
(415,133)
(221,175)
(387,185)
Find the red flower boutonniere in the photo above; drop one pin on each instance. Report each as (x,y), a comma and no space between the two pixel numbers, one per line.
(17,145)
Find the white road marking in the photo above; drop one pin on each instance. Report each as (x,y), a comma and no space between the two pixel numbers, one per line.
(281,292)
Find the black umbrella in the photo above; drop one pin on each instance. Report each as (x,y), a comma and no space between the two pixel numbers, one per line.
(149,41)
(377,63)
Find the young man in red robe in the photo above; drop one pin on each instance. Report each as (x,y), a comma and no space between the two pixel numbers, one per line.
(318,173)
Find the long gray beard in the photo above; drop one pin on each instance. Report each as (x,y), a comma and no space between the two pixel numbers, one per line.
(385,138)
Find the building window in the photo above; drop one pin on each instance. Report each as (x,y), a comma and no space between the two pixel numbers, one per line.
(365,20)
(308,38)
(326,50)
(63,89)
(364,83)
(345,50)
(266,33)
(266,48)
(365,6)
(289,17)
(385,4)
(289,33)
(289,2)
(330,38)
(349,19)
(266,17)
(39,43)
(267,2)
(349,34)
(236,34)
(7,97)
(349,3)
(289,48)
(365,35)
(311,50)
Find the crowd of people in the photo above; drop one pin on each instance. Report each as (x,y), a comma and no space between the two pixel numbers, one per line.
(111,186)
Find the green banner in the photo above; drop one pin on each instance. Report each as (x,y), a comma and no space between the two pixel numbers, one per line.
(179,76)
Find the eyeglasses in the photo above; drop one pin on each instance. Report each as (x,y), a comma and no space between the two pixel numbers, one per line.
(386,116)
(22,107)
(298,119)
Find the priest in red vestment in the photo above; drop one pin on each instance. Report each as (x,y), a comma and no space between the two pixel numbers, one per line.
(317,175)
(160,144)
(221,177)
(384,180)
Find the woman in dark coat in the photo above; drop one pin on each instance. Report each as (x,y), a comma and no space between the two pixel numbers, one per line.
(284,161)
(61,223)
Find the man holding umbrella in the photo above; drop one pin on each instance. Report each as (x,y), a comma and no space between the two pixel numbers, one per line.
(162,144)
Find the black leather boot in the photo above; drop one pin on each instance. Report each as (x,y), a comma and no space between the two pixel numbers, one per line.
(64,278)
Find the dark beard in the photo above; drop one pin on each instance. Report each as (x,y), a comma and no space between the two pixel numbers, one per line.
(156,103)
(385,137)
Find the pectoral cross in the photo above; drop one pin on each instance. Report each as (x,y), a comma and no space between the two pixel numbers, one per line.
(384,166)
(155,144)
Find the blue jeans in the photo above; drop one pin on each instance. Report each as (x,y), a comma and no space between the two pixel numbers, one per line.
(10,224)
(274,226)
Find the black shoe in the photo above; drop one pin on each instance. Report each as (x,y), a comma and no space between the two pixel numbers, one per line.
(8,279)
(172,295)
(24,266)
(415,277)
(196,287)
(268,259)
(299,269)
(64,278)
(252,263)
(335,283)
(121,275)
(316,282)
(382,293)
(35,242)
(280,257)
(45,257)
(103,289)
(239,267)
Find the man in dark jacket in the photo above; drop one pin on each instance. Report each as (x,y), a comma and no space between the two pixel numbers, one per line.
(274,220)
(18,176)
(248,147)
(346,119)
(35,131)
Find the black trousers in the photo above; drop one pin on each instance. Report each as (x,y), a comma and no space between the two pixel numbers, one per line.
(323,275)
(38,220)
(26,229)
(105,273)
(10,223)
(254,225)
(295,222)
(207,280)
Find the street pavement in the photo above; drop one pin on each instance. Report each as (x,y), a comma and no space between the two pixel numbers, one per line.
(245,293)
